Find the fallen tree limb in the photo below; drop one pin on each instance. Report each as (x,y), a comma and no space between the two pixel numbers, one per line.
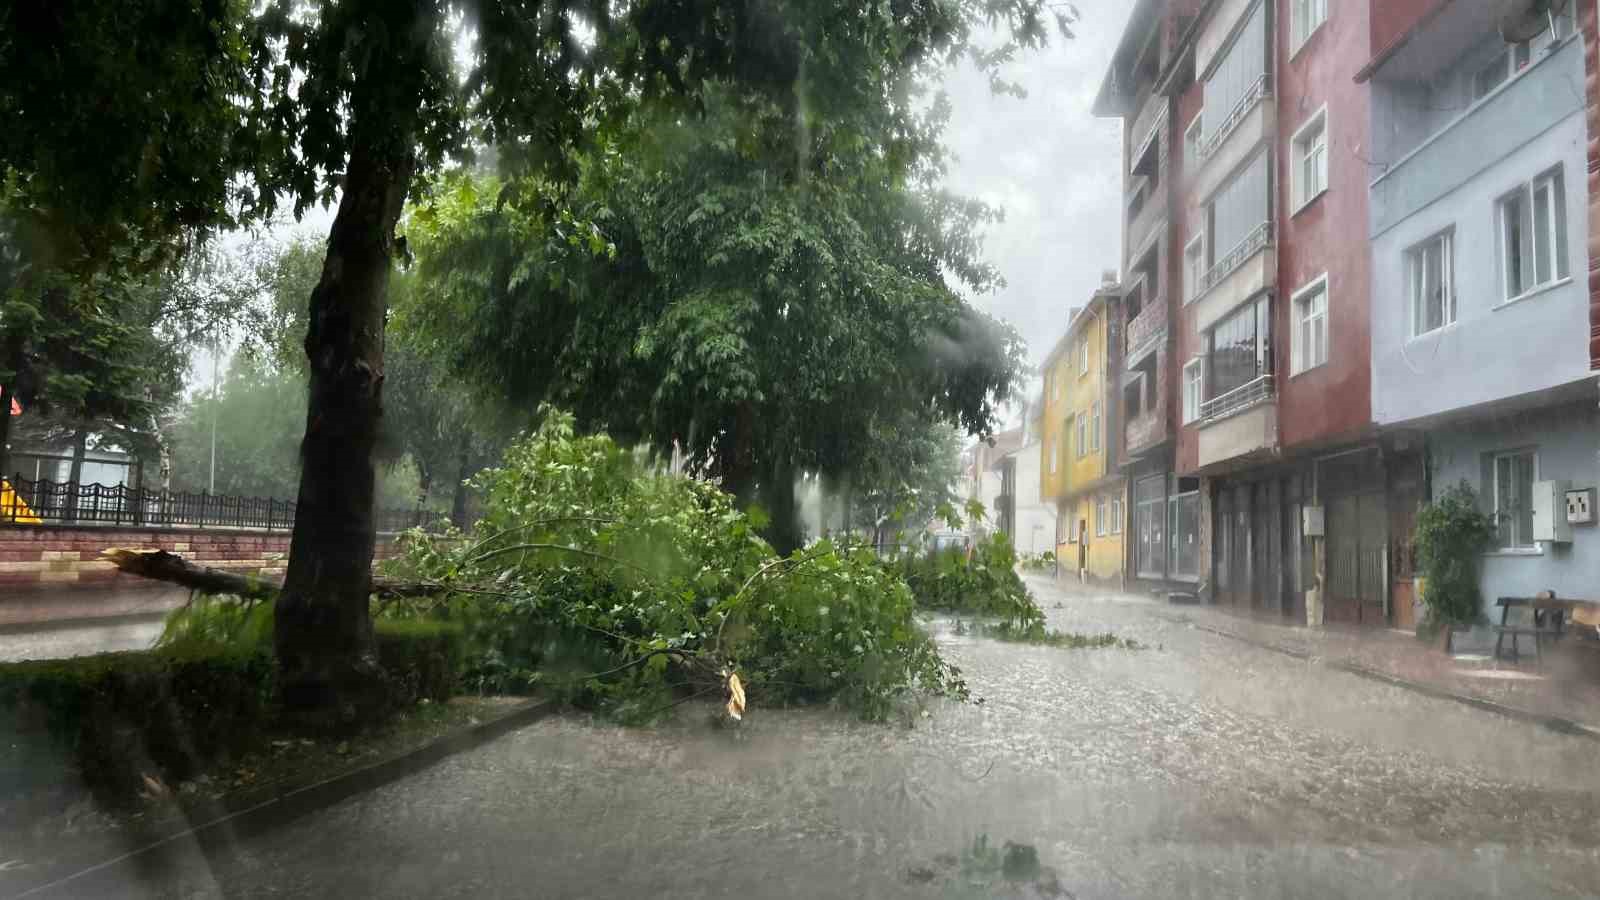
(161,565)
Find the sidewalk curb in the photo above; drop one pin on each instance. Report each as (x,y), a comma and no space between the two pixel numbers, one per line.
(1557,724)
(225,822)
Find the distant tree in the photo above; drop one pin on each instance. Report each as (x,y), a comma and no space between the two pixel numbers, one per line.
(772,314)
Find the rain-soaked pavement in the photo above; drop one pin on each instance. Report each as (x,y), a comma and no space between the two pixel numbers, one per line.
(1200,767)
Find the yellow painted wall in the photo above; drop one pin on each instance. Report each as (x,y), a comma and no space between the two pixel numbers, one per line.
(1071,392)
(1105,554)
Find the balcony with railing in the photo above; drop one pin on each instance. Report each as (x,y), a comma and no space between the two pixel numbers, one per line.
(1154,114)
(1232,139)
(1146,332)
(1244,271)
(1146,223)
(1239,424)
(1146,430)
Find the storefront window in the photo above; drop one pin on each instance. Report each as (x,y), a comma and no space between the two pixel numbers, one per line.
(1183,554)
(1149,512)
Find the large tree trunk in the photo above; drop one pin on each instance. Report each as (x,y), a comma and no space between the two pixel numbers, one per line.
(458,500)
(80,449)
(777,489)
(6,393)
(737,466)
(329,676)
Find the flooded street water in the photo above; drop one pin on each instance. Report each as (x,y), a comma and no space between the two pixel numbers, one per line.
(1198,767)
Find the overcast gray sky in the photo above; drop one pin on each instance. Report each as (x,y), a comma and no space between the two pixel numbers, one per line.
(1053,167)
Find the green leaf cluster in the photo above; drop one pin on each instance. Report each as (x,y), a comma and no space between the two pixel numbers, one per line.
(980,581)
(596,576)
(1452,535)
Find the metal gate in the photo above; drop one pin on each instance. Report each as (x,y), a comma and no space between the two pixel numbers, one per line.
(1357,558)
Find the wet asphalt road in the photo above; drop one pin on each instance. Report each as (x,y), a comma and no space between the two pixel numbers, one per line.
(1200,767)
(80,639)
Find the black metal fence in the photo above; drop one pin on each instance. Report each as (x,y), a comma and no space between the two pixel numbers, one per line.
(66,502)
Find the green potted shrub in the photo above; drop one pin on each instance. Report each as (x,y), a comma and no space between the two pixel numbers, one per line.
(1452,535)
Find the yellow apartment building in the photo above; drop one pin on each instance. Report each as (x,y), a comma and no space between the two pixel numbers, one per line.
(1078,466)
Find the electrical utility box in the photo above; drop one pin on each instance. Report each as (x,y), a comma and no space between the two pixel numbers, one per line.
(1580,506)
(1311,522)
(1550,523)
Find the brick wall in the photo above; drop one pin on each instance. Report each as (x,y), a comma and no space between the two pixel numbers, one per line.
(45,557)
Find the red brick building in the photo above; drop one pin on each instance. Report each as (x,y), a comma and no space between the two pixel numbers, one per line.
(1255,470)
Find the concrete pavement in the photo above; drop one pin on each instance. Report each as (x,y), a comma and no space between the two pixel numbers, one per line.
(1199,767)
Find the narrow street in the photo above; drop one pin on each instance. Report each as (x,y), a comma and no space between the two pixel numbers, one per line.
(1198,767)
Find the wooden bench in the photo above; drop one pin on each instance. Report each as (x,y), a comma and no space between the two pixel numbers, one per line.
(1541,617)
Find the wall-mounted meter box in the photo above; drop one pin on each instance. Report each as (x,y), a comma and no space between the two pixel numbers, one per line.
(1580,506)
(1311,522)
(1550,523)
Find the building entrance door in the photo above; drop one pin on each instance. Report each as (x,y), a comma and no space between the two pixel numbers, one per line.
(1357,550)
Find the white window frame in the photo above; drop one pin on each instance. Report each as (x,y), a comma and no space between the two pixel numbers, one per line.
(1116,516)
(1055,456)
(1305,194)
(1192,402)
(1305,16)
(1193,271)
(1081,423)
(1506,55)
(1299,350)
(1530,546)
(1094,427)
(1413,268)
(1083,356)
(1100,517)
(1549,234)
(1194,138)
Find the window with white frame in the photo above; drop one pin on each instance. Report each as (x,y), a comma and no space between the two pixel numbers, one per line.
(1083,356)
(1194,267)
(1238,210)
(1234,78)
(1533,235)
(1054,457)
(1430,287)
(1094,427)
(1083,435)
(1500,68)
(1514,475)
(1310,310)
(1116,516)
(1309,154)
(1194,139)
(1239,349)
(1306,17)
(1100,517)
(1194,385)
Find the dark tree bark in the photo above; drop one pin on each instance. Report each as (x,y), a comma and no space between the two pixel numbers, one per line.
(777,491)
(80,448)
(6,393)
(458,500)
(737,463)
(329,676)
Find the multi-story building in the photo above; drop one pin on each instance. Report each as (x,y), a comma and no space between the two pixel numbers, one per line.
(1352,279)
(1023,514)
(1266,183)
(985,481)
(1163,547)
(1079,445)
(1481,330)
